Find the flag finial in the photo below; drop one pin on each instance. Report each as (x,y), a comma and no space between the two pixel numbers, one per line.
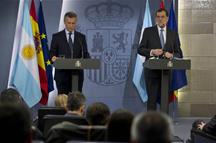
(162,6)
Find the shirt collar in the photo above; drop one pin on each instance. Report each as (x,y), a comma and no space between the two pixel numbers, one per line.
(159,28)
(67,32)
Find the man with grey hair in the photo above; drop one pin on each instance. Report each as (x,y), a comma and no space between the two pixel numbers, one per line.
(151,127)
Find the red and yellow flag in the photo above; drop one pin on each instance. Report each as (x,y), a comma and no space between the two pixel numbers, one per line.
(162,6)
(40,56)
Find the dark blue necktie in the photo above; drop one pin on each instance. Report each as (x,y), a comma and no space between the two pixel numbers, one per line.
(70,42)
(162,37)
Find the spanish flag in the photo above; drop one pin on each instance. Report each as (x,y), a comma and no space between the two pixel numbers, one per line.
(40,56)
(162,5)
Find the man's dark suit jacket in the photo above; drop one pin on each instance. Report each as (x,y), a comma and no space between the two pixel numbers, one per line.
(151,40)
(67,131)
(60,47)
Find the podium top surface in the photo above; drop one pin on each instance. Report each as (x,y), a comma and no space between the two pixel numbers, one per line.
(77,63)
(164,64)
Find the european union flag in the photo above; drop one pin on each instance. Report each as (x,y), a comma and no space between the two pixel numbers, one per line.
(44,44)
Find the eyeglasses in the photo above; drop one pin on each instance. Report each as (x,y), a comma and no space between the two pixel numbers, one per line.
(160,17)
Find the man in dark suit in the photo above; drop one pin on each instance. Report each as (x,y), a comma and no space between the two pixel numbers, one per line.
(161,42)
(64,131)
(68,43)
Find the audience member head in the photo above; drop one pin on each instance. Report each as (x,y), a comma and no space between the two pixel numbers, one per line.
(196,124)
(151,127)
(10,95)
(61,101)
(15,123)
(97,113)
(119,126)
(76,103)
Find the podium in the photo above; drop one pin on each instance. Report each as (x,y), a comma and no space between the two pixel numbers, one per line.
(69,64)
(166,65)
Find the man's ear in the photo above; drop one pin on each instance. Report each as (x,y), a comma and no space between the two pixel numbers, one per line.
(82,109)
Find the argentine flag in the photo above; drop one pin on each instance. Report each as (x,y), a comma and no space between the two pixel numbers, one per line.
(24,67)
(138,77)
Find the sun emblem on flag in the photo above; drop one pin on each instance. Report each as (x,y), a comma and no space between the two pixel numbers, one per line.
(28,52)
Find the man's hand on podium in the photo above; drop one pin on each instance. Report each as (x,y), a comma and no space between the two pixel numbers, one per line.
(156,52)
(168,55)
(54,58)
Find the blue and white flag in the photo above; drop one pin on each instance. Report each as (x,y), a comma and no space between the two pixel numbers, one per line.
(138,77)
(24,67)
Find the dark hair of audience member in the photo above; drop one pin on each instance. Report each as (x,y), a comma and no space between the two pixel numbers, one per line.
(75,101)
(97,113)
(15,123)
(10,95)
(119,126)
(151,127)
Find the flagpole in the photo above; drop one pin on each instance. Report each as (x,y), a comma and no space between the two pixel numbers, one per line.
(175,102)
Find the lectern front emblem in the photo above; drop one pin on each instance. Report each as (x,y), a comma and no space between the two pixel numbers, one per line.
(78,64)
(170,64)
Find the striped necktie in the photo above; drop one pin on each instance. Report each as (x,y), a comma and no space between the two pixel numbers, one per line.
(162,37)
(70,42)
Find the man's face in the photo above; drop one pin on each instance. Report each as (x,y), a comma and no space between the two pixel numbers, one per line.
(70,23)
(161,19)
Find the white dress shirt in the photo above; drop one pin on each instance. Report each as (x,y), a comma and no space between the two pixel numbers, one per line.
(164,32)
(67,35)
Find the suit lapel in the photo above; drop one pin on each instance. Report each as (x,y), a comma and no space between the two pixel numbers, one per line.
(167,38)
(65,43)
(76,44)
(75,39)
(65,38)
(157,36)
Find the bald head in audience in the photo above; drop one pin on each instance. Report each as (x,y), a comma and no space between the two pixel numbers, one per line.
(151,127)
